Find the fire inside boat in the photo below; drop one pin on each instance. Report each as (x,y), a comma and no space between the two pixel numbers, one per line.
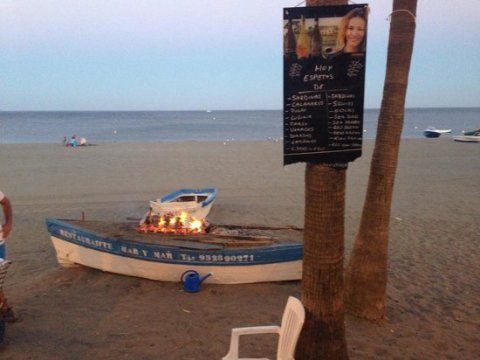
(171,223)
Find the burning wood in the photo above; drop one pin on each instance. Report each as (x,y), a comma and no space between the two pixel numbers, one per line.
(171,223)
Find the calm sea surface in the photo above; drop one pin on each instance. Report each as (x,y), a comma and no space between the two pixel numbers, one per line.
(128,126)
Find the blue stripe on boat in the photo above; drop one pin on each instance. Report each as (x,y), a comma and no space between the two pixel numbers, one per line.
(187,253)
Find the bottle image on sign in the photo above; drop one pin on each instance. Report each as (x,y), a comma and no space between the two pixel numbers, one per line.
(303,41)
(316,41)
(290,42)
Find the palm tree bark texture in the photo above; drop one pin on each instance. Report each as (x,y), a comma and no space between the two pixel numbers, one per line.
(366,272)
(323,334)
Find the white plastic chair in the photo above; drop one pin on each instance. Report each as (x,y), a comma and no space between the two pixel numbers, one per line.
(289,331)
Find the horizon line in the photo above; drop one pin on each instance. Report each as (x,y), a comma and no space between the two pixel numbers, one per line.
(218,110)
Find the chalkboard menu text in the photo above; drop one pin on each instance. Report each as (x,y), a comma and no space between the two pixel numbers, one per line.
(324,75)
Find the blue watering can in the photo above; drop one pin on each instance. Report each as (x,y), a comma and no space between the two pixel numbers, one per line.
(191,280)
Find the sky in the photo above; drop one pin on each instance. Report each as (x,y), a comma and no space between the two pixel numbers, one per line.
(210,54)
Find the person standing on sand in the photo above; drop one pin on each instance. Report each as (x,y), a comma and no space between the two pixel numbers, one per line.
(6,312)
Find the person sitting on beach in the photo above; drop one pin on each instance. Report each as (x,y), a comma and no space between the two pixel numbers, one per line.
(6,311)
(73,141)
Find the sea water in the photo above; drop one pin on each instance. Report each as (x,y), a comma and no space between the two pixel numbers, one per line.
(129,126)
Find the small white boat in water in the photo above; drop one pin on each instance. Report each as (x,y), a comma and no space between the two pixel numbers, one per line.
(467,138)
(432,132)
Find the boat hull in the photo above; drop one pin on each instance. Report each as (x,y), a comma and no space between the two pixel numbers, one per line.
(431,134)
(75,245)
(467,138)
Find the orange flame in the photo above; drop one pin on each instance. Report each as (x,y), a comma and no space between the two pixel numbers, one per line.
(172,224)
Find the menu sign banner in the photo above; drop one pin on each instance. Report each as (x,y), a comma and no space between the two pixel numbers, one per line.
(324,78)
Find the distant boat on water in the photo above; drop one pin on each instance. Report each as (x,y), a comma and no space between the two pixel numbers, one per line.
(432,132)
(469,136)
(472,132)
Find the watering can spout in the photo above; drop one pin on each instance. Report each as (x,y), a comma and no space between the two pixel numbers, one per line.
(206,276)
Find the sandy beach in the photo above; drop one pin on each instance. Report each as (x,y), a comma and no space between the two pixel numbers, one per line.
(433,307)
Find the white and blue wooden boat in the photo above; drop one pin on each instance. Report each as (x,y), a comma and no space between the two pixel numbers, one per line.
(196,202)
(232,254)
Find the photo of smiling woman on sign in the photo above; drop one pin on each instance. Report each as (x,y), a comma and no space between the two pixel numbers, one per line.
(352,32)
(348,60)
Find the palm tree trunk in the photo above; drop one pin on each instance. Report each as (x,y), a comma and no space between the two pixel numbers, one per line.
(366,273)
(323,335)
